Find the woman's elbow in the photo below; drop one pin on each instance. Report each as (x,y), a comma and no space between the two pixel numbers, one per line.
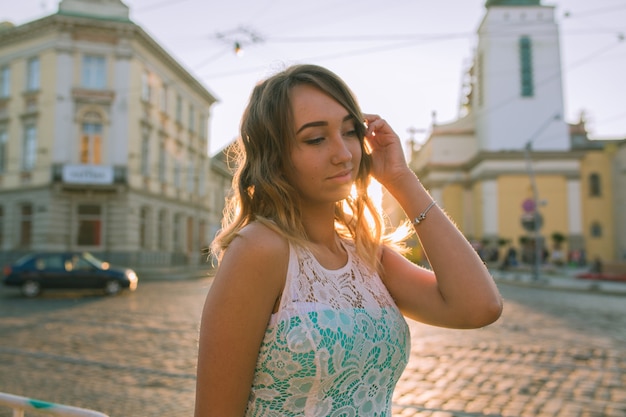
(488,313)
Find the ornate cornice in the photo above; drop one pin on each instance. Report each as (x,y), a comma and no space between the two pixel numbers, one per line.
(111,31)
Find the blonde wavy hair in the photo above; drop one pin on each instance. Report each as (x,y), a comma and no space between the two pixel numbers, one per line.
(261,191)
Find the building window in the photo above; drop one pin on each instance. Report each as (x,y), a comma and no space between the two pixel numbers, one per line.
(162,163)
(202,180)
(162,230)
(526,67)
(191,176)
(595,187)
(5,81)
(33,74)
(89,225)
(29,148)
(202,240)
(202,122)
(94,72)
(146,90)
(91,139)
(144,222)
(3,149)
(190,232)
(164,98)
(177,169)
(176,233)
(26,225)
(179,109)
(596,230)
(145,153)
(192,118)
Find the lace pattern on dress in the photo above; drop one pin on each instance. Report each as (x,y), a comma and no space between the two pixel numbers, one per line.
(336,346)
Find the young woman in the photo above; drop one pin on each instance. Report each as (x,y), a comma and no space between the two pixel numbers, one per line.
(305,313)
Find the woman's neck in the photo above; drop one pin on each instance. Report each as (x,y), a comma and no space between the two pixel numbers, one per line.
(319,225)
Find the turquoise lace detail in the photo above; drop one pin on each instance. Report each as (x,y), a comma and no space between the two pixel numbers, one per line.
(338,355)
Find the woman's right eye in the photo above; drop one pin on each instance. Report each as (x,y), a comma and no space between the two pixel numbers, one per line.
(314,141)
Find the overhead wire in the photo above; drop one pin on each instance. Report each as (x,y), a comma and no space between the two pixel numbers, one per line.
(408,40)
(592,12)
(159,5)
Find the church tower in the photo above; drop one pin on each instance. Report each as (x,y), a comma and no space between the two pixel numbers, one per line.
(517,94)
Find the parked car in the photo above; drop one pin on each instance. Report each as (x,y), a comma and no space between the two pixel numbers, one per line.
(67,270)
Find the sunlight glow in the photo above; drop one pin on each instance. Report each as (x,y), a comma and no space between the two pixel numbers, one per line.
(375,191)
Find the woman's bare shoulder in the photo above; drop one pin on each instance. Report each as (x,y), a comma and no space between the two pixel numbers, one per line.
(263,237)
(259,244)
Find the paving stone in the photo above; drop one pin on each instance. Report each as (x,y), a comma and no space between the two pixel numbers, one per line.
(552,354)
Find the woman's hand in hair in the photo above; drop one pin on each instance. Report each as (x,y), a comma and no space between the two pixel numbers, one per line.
(388,161)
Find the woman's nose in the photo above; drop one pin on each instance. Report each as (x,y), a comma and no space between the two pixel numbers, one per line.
(341,151)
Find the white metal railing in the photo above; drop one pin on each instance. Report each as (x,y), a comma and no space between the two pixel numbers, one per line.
(21,404)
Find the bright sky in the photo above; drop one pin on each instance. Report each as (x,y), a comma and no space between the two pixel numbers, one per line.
(404,59)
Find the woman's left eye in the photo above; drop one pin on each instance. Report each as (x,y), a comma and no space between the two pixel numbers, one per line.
(350,133)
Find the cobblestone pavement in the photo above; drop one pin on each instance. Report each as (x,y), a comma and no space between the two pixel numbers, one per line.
(553,353)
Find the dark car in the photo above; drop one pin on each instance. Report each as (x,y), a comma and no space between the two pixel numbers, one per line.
(68,270)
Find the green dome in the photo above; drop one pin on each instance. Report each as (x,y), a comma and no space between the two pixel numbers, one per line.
(512,3)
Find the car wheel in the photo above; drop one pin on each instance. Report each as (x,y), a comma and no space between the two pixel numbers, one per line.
(31,289)
(112,287)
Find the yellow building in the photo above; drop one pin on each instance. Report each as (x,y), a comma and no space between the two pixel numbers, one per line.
(103,141)
(619,196)
(510,171)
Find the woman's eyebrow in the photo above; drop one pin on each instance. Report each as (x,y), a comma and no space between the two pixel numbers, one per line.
(321,123)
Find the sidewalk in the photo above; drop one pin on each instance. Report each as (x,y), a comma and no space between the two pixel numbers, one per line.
(549,278)
(558,279)
(174,273)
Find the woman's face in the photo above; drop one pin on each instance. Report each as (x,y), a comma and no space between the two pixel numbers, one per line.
(327,152)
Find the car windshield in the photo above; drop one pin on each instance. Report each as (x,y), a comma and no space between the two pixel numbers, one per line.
(21,261)
(93,260)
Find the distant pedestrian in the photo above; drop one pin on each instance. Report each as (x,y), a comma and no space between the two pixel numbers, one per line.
(596,265)
(509,260)
(304,316)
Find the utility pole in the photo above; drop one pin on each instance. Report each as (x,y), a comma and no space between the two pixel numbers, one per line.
(533,184)
(411,142)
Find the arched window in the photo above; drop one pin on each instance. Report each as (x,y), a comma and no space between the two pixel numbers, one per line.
(91,139)
(595,187)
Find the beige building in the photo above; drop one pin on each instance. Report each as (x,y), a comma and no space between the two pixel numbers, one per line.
(511,158)
(103,142)
(619,197)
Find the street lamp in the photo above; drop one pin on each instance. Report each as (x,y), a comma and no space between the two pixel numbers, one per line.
(533,184)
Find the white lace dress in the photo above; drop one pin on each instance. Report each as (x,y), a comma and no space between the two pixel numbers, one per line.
(336,346)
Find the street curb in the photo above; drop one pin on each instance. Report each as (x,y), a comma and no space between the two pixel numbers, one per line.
(173,274)
(559,283)
(518,278)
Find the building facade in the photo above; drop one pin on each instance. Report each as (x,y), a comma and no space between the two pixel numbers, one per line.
(103,141)
(619,191)
(510,171)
